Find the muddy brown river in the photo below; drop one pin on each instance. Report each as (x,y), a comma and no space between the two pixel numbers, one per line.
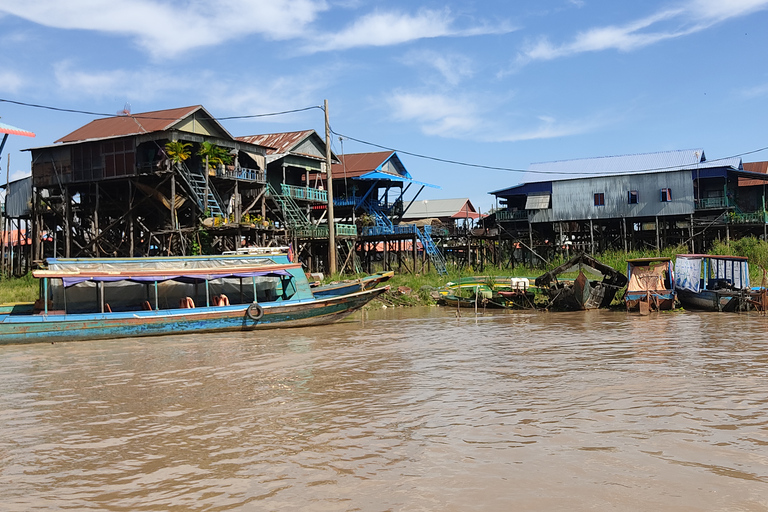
(401,410)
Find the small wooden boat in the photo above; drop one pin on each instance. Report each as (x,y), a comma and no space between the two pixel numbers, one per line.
(487,291)
(84,299)
(581,292)
(651,285)
(352,285)
(712,282)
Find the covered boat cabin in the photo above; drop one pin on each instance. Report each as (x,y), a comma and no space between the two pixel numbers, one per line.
(110,285)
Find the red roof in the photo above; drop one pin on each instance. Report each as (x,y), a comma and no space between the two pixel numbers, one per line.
(12,130)
(131,124)
(357,164)
(760,167)
(277,143)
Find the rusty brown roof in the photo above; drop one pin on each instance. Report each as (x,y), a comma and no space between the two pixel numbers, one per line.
(357,164)
(132,124)
(760,167)
(278,143)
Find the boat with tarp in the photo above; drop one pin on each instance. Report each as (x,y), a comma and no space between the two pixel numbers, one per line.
(712,282)
(651,285)
(97,298)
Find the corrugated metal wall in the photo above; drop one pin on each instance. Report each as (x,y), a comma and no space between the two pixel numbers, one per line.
(574,199)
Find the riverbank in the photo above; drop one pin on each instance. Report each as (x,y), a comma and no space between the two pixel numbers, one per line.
(417,290)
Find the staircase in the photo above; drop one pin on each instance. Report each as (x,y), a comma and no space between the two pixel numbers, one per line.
(196,183)
(293,216)
(434,253)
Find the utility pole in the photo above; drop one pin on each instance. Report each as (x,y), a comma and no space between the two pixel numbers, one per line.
(329,181)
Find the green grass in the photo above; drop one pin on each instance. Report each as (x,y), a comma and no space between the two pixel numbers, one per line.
(18,289)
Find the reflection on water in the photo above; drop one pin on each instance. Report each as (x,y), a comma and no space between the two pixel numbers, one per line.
(403,410)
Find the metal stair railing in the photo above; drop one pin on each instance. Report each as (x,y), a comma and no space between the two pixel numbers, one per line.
(434,253)
(196,184)
(292,213)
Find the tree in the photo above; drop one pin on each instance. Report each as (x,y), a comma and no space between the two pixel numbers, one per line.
(178,151)
(216,154)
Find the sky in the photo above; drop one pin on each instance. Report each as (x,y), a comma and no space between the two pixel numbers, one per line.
(494,84)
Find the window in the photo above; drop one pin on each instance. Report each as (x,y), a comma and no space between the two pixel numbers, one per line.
(666,195)
(632,197)
(600,199)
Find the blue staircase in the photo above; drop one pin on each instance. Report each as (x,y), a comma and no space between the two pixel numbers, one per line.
(432,251)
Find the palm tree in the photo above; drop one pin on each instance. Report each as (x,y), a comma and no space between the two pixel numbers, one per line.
(178,151)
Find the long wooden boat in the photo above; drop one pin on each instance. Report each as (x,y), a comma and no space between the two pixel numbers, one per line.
(582,293)
(352,285)
(651,285)
(83,299)
(712,282)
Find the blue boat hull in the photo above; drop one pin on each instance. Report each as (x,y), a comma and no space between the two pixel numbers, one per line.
(74,327)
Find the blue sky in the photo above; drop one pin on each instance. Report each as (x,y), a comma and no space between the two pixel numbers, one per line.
(494,83)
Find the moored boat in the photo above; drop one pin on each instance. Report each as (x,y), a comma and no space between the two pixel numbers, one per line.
(352,285)
(712,282)
(582,293)
(651,285)
(84,299)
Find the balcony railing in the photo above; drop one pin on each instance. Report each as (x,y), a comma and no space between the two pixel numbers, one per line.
(511,215)
(304,193)
(322,231)
(243,174)
(760,217)
(711,202)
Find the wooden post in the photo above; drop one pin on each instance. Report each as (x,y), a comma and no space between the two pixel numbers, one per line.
(591,238)
(624,232)
(67,222)
(530,240)
(690,233)
(658,243)
(329,181)
(96,222)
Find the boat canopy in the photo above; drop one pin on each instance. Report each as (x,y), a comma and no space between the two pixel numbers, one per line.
(695,272)
(73,280)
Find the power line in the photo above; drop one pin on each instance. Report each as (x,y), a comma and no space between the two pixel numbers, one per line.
(368,143)
(143,116)
(531,171)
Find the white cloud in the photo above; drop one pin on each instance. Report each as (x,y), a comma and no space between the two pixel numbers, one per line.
(147,84)
(11,82)
(547,128)
(166,29)
(453,68)
(437,114)
(756,91)
(694,16)
(392,28)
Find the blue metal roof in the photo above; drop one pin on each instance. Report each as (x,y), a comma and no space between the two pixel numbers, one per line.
(686,159)
(385,176)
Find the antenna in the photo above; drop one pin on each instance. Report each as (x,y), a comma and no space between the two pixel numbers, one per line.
(126,110)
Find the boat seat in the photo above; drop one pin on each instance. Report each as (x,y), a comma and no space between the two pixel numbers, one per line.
(186,302)
(220,300)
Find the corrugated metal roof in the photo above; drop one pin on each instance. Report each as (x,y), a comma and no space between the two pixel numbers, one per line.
(12,130)
(438,208)
(756,167)
(277,143)
(133,124)
(356,164)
